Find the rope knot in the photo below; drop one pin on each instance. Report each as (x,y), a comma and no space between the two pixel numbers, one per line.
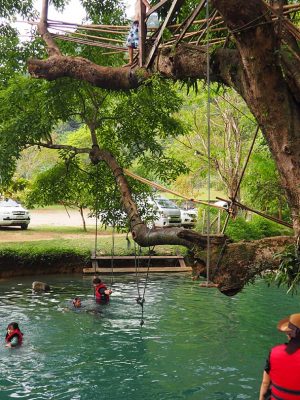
(140,301)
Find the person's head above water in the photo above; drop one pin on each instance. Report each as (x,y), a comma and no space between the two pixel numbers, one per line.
(290,325)
(77,302)
(96,281)
(12,326)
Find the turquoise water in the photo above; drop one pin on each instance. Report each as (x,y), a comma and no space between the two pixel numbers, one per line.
(195,343)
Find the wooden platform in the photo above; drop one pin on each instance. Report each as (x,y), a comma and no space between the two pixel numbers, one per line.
(126,264)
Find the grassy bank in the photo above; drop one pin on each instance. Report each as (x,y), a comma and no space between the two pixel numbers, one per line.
(67,250)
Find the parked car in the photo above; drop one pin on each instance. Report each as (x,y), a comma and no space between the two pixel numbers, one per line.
(222,203)
(167,213)
(189,217)
(13,214)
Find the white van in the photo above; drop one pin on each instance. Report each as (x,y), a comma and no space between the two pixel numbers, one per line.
(189,217)
(167,213)
(13,214)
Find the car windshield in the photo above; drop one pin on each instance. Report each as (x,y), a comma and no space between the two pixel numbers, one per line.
(166,203)
(9,203)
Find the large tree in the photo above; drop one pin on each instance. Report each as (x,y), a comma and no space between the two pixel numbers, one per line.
(262,66)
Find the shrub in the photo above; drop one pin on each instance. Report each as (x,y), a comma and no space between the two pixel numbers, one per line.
(257,228)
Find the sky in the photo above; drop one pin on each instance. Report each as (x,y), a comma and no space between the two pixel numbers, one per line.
(73,12)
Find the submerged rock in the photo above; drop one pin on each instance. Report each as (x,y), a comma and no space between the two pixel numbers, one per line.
(40,286)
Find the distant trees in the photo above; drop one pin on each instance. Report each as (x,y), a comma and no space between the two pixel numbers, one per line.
(62,184)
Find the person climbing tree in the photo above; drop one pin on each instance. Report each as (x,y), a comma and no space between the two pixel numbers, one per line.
(133,36)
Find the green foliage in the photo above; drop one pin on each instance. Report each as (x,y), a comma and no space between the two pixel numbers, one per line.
(288,272)
(64,183)
(231,133)
(44,253)
(262,188)
(16,189)
(9,8)
(257,228)
(133,126)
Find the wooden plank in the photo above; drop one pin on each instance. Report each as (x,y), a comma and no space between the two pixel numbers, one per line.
(134,270)
(182,263)
(190,20)
(175,257)
(159,36)
(209,22)
(142,33)
(156,7)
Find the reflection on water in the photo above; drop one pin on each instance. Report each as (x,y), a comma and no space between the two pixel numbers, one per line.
(195,344)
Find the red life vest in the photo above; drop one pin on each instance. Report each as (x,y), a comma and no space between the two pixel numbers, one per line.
(285,374)
(101,297)
(15,332)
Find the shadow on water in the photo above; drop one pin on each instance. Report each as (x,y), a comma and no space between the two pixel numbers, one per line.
(195,344)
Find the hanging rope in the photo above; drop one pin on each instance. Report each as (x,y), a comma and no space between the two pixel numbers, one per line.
(208,139)
(112,257)
(136,265)
(141,299)
(97,214)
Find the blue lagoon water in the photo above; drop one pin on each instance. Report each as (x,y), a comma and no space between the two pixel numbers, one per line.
(195,343)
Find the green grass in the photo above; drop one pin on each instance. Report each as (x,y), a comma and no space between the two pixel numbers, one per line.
(62,229)
(81,246)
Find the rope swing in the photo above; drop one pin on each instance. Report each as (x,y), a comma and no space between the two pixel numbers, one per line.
(141,298)
(207,283)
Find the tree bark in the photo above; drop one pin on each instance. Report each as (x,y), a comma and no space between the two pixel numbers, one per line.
(141,234)
(266,90)
(82,218)
(241,262)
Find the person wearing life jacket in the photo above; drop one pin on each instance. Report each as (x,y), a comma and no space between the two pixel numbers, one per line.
(76,302)
(14,336)
(281,377)
(101,292)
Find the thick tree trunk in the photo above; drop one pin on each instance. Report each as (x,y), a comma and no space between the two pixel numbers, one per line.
(241,262)
(141,234)
(266,90)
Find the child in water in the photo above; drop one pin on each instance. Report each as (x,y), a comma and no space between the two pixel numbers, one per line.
(77,302)
(14,336)
(101,291)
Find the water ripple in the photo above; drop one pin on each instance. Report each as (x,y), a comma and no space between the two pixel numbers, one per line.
(195,344)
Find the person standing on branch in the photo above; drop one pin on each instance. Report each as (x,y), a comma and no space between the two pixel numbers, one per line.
(281,377)
(133,36)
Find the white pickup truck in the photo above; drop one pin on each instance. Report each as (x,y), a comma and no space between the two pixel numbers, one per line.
(13,214)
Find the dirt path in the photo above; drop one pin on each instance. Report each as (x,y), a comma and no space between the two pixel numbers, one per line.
(50,218)
(59,218)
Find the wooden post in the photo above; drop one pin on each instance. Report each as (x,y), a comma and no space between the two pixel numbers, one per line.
(219,221)
(160,33)
(142,34)
(203,220)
